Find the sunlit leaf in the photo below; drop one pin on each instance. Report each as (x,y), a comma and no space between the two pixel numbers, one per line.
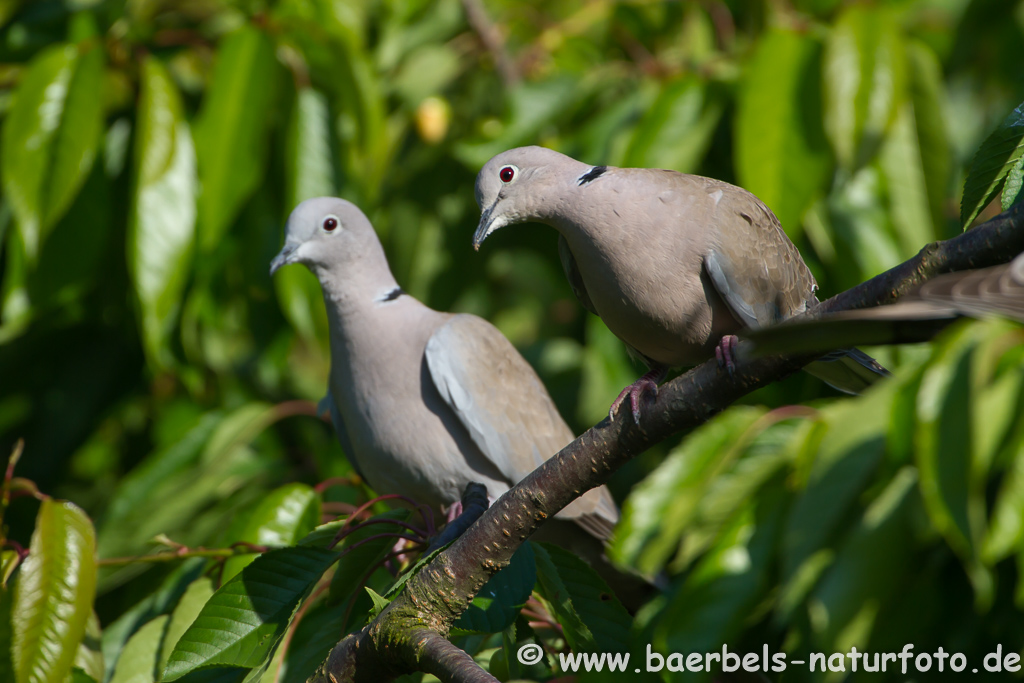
(781,154)
(764,454)
(378,600)
(310,173)
(872,562)
(160,600)
(903,166)
(676,130)
(862,224)
(162,218)
(53,594)
(89,658)
(1013,189)
(310,167)
(230,131)
(993,161)
(281,518)
(243,621)
(842,456)
(718,595)
(6,634)
(139,659)
(1006,529)
(951,485)
(188,608)
(927,94)
(864,76)
(50,138)
(660,508)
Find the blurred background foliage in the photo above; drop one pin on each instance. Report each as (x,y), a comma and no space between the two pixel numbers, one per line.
(151,151)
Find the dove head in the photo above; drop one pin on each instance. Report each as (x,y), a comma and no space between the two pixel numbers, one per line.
(326,234)
(520,185)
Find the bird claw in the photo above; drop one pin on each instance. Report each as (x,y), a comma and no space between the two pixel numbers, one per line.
(454,511)
(725,353)
(635,392)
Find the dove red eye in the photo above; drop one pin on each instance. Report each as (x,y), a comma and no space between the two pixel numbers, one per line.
(330,223)
(507,174)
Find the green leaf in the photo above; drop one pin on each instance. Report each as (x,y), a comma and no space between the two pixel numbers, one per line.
(496,605)
(309,173)
(532,106)
(927,94)
(379,602)
(281,518)
(230,131)
(592,618)
(162,219)
(53,594)
(993,161)
(1006,529)
(89,658)
(157,602)
(138,662)
(873,562)
(843,453)
(952,488)
(1013,189)
(6,634)
(727,584)
(862,224)
(80,676)
(310,169)
(864,76)
(243,621)
(185,612)
(661,507)
(50,138)
(781,152)
(676,130)
(763,455)
(902,164)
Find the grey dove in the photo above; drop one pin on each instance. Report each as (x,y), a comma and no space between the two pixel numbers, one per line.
(425,402)
(674,264)
(917,316)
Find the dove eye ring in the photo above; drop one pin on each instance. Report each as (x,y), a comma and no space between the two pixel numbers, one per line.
(507,174)
(330,223)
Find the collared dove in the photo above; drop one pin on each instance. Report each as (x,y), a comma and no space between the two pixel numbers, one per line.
(425,402)
(674,264)
(917,316)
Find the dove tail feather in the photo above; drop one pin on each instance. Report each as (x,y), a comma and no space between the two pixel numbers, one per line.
(848,370)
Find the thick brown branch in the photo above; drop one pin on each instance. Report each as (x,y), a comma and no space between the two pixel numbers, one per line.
(447,662)
(436,596)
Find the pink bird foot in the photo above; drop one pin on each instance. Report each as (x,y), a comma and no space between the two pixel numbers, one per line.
(636,391)
(725,353)
(454,511)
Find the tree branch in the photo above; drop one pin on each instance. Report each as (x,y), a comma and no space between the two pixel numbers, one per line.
(395,642)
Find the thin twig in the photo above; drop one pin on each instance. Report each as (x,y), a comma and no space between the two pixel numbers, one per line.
(492,40)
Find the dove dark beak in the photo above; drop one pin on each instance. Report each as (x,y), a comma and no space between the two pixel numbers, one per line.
(487,225)
(288,254)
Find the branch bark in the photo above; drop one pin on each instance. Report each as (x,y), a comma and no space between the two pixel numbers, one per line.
(398,642)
